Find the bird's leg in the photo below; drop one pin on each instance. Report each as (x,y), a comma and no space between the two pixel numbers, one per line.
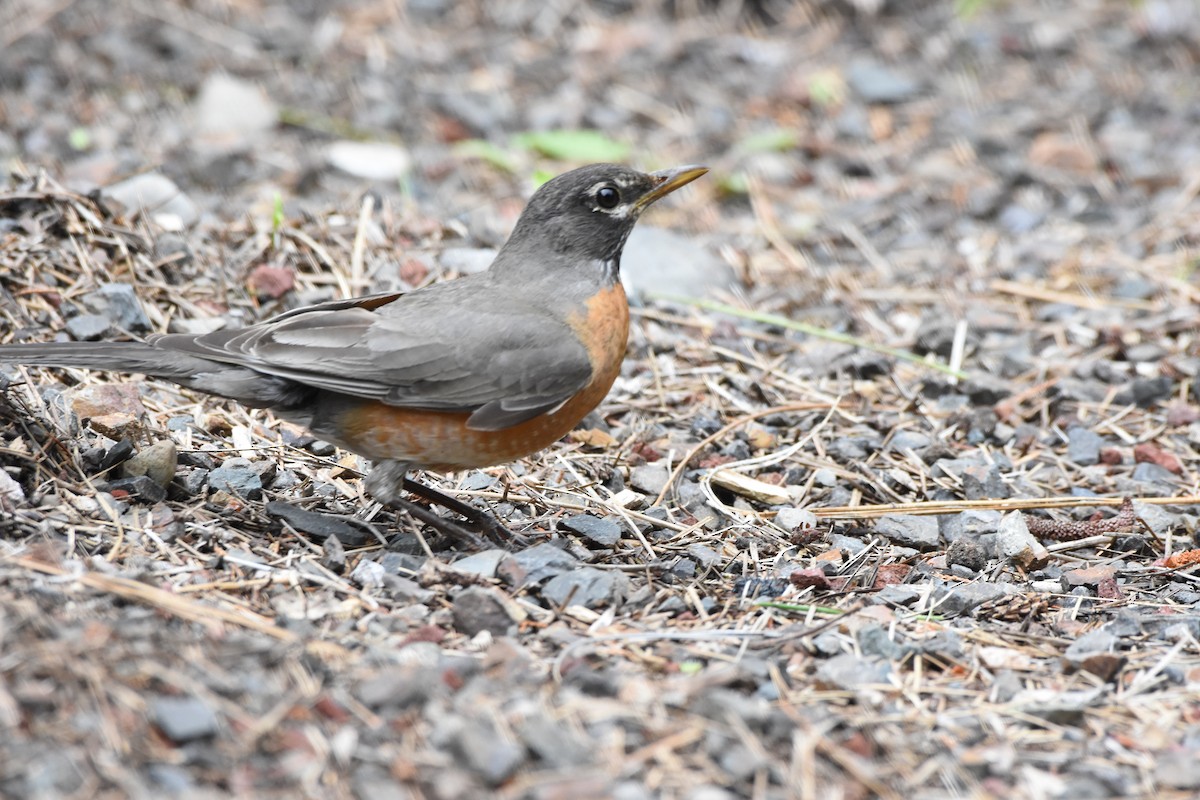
(485,520)
(388,478)
(440,524)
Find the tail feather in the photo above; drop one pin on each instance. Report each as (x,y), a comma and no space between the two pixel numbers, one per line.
(247,386)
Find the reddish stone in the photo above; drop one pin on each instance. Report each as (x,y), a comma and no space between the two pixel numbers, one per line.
(889,574)
(273,282)
(1152,453)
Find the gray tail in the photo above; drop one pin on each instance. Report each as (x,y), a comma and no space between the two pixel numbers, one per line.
(243,384)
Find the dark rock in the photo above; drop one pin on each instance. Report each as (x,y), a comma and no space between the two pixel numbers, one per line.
(603,532)
(704,555)
(479,608)
(986,389)
(909,530)
(140,488)
(555,744)
(1148,392)
(237,476)
(119,304)
(317,525)
(874,642)
(117,454)
(333,555)
(1083,446)
(968,552)
(544,561)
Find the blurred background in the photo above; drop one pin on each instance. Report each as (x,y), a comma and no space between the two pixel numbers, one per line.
(874,162)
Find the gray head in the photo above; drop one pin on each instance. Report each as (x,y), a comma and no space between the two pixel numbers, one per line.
(581,219)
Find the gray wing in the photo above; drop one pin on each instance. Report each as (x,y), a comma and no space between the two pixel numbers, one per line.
(503,364)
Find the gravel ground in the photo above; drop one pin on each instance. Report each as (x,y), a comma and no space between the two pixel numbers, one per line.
(895,497)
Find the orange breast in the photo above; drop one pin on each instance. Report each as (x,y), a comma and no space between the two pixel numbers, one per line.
(442,441)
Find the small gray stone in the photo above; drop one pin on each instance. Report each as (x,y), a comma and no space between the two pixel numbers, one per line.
(874,642)
(183,719)
(1179,769)
(485,563)
(825,477)
(88,327)
(740,762)
(1090,644)
(157,462)
(368,574)
(898,594)
(876,83)
(1083,446)
(851,544)
(119,303)
(230,114)
(649,479)
(544,561)
(1149,473)
(968,552)
(174,781)
(490,755)
(139,488)
(1160,520)
(603,532)
(478,608)
(1149,391)
(850,672)
(554,744)
(704,555)
(373,161)
(159,197)
(972,523)
(319,526)
(333,555)
(962,597)
(403,685)
(237,476)
(903,441)
(587,586)
(909,530)
(1017,544)
(791,518)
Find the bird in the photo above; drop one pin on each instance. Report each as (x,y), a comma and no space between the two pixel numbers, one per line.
(463,374)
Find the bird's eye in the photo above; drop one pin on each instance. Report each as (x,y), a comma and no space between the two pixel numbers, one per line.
(608,197)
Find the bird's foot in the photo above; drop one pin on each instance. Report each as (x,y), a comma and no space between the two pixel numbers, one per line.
(389,478)
(484,521)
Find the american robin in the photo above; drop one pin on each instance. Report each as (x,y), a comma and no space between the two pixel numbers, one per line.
(463,374)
